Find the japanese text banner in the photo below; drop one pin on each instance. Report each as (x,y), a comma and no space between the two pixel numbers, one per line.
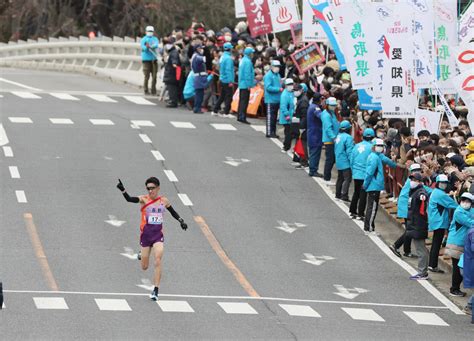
(258,17)
(283,14)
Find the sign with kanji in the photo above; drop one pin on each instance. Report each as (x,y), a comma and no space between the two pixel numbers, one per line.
(312,29)
(258,17)
(283,14)
(307,57)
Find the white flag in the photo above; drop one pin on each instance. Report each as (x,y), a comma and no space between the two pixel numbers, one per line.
(312,29)
(283,14)
(427,120)
(240,9)
(466,25)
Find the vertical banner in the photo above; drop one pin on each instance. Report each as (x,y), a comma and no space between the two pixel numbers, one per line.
(239,9)
(427,120)
(366,100)
(258,17)
(312,29)
(283,14)
(464,83)
(327,20)
(466,25)
(453,121)
(446,38)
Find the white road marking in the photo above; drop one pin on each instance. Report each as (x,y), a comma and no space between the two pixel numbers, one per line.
(288,228)
(129,253)
(1,96)
(138,100)
(14,173)
(21,197)
(171,176)
(3,136)
(429,319)
(175,306)
(363,314)
(235,162)
(114,221)
(300,310)
(18,84)
(101,122)
(20,120)
(349,293)
(61,121)
(186,125)
(158,155)
(64,96)
(140,123)
(50,303)
(101,98)
(7,150)
(109,304)
(145,138)
(25,94)
(316,260)
(237,308)
(223,126)
(147,285)
(260,128)
(185,199)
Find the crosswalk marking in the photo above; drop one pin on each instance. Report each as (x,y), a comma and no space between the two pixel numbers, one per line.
(101,98)
(14,173)
(171,176)
(185,199)
(101,122)
(25,94)
(300,310)
(145,138)
(175,306)
(237,308)
(141,123)
(260,128)
(64,96)
(7,150)
(20,120)
(363,314)
(223,126)
(430,319)
(158,155)
(61,121)
(112,304)
(50,303)
(186,125)
(21,197)
(138,100)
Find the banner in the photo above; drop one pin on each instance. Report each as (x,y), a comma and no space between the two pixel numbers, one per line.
(283,14)
(465,85)
(239,9)
(297,33)
(327,20)
(258,17)
(366,100)
(427,120)
(453,121)
(466,25)
(446,38)
(312,29)
(307,57)
(256,95)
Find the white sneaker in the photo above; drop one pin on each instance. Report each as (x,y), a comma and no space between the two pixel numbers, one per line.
(374,233)
(329,183)
(230,116)
(214,113)
(221,115)
(367,233)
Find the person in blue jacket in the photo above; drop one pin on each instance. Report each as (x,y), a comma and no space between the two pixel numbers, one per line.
(188,91)
(360,153)
(330,130)
(273,89)
(287,109)
(314,134)
(374,182)
(226,79)
(344,144)
(198,65)
(468,268)
(246,82)
(460,225)
(438,218)
(149,45)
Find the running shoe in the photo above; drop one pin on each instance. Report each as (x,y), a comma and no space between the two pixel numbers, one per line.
(139,255)
(418,277)
(214,113)
(395,251)
(438,270)
(410,255)
(457,293)
(154,295)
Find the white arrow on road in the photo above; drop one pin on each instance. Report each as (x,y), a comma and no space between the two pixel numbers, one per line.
(129,253)
(288,228)
(114,221)
(349,293)
(146,284)
(316,260)
(235,162)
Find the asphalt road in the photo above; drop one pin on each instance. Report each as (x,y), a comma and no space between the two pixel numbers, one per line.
(233,274)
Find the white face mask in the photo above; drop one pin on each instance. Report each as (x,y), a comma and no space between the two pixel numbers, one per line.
(466,205)
(379,149)
(344,85)
(443,185)
(330,79)
(227,38)
(149,34)
(289,88)
(275,69)
(380,134)
(275,44)
(301,77)
(297,93)
(414,184)
(240,42)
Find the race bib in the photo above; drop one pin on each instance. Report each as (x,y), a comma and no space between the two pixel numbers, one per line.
(155,219)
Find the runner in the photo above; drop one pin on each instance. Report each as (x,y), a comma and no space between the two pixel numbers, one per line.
(151,227)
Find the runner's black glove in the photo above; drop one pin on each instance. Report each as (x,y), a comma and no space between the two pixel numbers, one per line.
(120,186)
(184,226)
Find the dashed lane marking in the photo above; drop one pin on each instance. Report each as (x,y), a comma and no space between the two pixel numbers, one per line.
(21,197)
(14,173)
(185,199)
(64,96)
(429,319)
(142,123)
(260,128)
(223,126)
(175,306)
(299,310)
(101,122)
(20,120)
(101,98)
(112,304)
(7,150)
(138,100)
(363,314)
(158,155)
(25,94)
(145,138)
(237,308)
(54,303)
(61,121)
(185,125)
(171,176)
(3,136)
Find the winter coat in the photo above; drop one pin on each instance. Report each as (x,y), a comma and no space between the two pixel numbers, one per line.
(374,177)
(402,203)
(330,126)
(468,266)
(198,65)
(314,133)
(226,68)
(147,54)
(287,106)
(302,105)
(189,91)
(246,73)
(272,86)
(344,144)
(460,225)
(438,209)
(359,156)
(417,224)
(169,75)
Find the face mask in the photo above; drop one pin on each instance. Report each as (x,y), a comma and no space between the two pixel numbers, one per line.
(414,184)
(330,79)
(466,205)
(227,38)
(149,34)
(275,44)
(289,88)
(240,42)
(345,85)
(378,149)
(297,93)
(301,77)
(259,48)
(442,185)
(275,69)
(168,47)
(380,134)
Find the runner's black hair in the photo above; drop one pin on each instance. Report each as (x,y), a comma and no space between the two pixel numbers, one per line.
(152,180)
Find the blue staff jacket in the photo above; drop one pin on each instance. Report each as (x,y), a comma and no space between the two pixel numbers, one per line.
(147,55)
(438,210)
(226,68)
(360,153)
(330,126)
(344,144)
(287,106)
(374,177)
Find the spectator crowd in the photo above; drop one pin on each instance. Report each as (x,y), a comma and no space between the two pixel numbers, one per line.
(319,111)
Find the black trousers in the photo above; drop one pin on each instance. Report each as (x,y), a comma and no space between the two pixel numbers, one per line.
(342,184)
(287,140)
(457,277)
(372,207)
(225,97)
(438,236)
(405,241)
(272,113)
(330,160)
(359,199)
(244,97)
(173,93)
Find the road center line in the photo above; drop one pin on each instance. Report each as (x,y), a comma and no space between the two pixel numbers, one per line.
(14,173)
(7,150)
(21,197)
(145,138)
(38,248)
(19,84)
(239,276)
(3,136)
